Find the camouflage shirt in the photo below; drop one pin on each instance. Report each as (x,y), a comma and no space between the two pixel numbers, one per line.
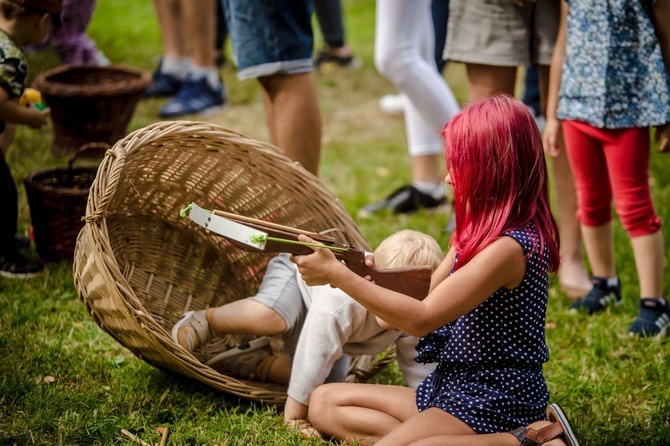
(13,69)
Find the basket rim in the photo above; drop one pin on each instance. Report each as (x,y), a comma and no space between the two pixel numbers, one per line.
(32,179)
(50,88)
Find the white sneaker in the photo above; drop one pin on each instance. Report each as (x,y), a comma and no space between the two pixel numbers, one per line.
(393,104)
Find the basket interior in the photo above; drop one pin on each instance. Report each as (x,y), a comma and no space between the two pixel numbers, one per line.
(85,77)
(172,265)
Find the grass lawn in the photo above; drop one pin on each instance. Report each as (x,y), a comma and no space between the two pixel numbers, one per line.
(63,381)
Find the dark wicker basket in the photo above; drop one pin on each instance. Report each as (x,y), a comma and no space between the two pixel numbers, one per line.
(57,201)
(90,104)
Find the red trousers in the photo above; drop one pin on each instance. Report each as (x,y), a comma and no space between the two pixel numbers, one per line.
(611,163)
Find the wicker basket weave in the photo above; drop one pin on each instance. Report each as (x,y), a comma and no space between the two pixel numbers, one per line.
(90,104)
(138,266)
(57,201)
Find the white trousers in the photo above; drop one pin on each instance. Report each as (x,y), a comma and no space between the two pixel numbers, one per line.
(404,53)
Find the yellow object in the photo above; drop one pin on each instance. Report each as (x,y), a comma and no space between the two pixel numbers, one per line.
(30,96)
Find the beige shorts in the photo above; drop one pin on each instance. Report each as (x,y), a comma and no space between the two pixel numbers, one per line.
(497,32)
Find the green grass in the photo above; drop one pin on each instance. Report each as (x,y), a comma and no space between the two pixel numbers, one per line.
(63,381)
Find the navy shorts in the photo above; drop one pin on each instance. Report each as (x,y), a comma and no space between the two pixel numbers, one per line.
(270,37)
(488,398)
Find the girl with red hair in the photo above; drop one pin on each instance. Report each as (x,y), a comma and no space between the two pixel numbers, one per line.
(483,320)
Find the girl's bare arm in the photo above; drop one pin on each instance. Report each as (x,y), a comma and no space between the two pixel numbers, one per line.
(501,264)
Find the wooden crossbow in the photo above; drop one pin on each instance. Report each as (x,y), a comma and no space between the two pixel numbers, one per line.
(256,235)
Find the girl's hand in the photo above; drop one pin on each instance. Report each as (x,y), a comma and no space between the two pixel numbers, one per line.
(318,268)
(662,136)
(551,137)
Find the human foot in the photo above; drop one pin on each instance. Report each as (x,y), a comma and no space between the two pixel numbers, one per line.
(573,279)
(192,330)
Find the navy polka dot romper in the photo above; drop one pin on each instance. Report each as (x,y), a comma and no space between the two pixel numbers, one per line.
(489,372)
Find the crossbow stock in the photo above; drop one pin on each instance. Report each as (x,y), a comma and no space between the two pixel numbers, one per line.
(251,234)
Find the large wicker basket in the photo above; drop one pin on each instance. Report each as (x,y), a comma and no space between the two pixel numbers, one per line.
(138,266)
(90,104)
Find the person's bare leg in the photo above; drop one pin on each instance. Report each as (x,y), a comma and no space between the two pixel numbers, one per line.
(172,29)
(294,117)
(599,244)
(649,253)
(247,316)
(488,80)
(360,412)
(199,23)
(427,168)
(574,279)
(431,422)
(500,439)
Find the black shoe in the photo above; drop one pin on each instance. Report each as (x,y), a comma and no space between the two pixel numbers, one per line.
(604,293)
(405,200)
(328,61)
(22,242)
(16,266)
(163,85)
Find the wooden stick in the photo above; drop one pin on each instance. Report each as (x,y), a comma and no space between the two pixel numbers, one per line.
(134,437)
(164,432)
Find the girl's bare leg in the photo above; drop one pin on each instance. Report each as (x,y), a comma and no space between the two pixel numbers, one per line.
(500,439)
(574,279)
(488,80)
(360,412)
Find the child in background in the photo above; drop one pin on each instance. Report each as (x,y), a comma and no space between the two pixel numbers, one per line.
(22,22)
(71,41)
(319,326)
(611,64)
(483,320)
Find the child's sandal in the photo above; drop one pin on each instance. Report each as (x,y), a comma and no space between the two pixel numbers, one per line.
(560,428)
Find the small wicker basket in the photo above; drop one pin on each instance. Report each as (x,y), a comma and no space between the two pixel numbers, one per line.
(57,202)
(139,266)
(89,103)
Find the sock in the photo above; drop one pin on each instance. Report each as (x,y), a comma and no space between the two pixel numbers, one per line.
(612,282)
(176,66)
(209,315)
(432,189)
(211,74)
(263,368)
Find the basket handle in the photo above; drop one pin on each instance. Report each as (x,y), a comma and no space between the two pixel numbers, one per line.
(88,150)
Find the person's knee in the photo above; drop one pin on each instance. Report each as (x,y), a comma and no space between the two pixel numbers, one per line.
(394,66)
(321,405)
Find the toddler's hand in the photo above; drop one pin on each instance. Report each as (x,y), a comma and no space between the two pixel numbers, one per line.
(304,428)
(663,137)
(38,118)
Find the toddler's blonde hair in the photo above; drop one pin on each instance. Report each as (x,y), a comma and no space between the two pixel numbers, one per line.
(408,248)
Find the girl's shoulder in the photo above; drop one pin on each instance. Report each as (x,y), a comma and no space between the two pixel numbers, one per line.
(526,236)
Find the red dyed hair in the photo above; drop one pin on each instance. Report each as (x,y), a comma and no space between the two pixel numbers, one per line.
(494,154)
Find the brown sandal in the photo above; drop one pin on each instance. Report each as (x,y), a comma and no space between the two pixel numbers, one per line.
(560,428)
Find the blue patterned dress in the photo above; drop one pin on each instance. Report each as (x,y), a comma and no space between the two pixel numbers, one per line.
(489,372)
(613,76)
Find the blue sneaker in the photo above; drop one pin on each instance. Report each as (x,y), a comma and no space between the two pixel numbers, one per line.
(605,292)
(194,97)
(652,320)
(163,85)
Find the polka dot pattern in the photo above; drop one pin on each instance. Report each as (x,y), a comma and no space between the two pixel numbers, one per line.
(490,360)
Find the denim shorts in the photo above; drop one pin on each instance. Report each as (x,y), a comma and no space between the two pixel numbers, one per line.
(270,37)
